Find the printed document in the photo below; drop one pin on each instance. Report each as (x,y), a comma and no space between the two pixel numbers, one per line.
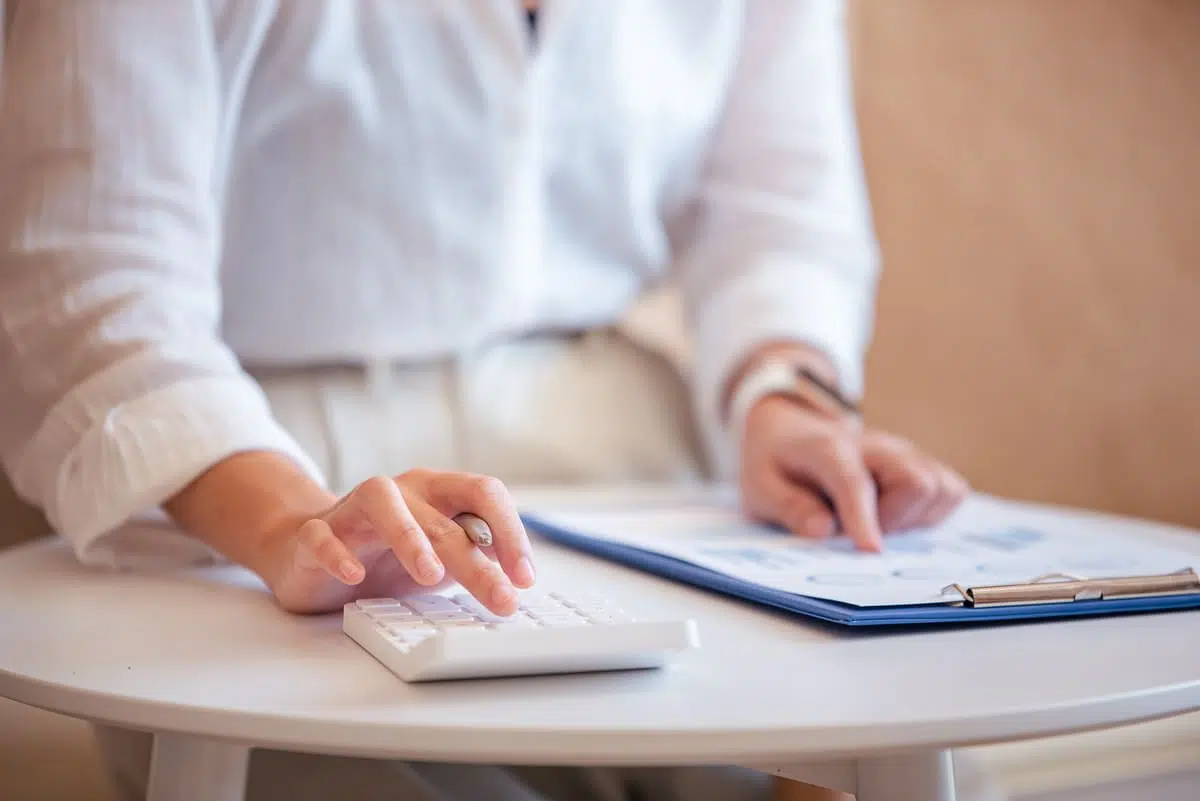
(987,541)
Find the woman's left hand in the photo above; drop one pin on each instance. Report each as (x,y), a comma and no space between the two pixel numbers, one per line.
(813,474)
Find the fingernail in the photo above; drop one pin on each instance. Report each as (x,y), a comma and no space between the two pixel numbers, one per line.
(502,596)
(349,570)
(524,572)
(428,567)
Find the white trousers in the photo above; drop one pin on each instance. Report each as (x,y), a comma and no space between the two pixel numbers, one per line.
(593,408)
(597,408)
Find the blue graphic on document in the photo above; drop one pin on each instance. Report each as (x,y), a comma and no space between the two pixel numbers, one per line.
(1009,540)
(751,556)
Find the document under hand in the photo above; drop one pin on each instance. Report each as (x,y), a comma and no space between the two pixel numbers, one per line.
(988,541)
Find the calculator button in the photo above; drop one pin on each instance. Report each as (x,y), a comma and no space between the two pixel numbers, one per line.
(485,616)
(539,601)
(582,599)
(448,614)
(377,609)
(460,624)
(414,625)
(431,603)
(540,614)
(410,631)
(399,613)
(553,614)
(371,603)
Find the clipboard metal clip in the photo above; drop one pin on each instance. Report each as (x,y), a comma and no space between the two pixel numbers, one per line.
(1066,587)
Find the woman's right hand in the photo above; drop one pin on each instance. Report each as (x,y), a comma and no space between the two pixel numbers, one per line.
(391,537)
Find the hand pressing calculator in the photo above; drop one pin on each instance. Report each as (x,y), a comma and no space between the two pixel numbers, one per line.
(438,637)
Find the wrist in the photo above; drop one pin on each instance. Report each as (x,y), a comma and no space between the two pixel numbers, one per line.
(779,380)
(272,545)
(802,357)
(248,507)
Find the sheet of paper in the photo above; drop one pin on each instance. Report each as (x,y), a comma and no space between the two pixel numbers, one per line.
(987,541)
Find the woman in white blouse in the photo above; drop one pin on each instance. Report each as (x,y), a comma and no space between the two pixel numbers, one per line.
(310,278)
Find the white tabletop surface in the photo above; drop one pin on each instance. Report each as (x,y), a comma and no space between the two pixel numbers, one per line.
(206,652)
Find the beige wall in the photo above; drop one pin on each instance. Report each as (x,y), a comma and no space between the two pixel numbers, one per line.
(1035,169)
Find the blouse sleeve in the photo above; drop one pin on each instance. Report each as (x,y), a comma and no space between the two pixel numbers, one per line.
(115,385)
(782,246)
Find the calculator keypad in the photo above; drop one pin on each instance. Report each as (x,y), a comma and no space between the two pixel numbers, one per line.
(406,622)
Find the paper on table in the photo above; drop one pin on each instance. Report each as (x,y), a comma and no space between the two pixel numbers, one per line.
(987,541)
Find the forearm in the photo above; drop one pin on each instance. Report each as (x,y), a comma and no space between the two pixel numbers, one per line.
(244,506)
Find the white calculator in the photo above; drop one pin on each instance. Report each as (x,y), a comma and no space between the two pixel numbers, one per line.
(437,637)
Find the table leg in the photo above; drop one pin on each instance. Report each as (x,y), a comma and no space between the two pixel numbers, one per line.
(920,776)
(793,790)
(187,768)
(794,780)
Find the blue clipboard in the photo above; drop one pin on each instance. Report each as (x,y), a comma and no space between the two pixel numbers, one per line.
(848,614)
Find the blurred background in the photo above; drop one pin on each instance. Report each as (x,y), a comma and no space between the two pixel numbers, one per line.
(1033,168)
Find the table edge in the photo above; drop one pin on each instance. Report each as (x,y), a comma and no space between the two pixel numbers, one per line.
(582,745)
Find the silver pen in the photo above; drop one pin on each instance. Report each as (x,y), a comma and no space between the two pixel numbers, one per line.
(478,531)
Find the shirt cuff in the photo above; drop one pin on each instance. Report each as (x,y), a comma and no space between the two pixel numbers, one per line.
(96,482)
(779,300)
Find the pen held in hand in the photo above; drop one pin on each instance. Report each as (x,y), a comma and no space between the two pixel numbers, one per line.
(476,527)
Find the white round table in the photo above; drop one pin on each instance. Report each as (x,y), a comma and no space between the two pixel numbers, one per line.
(204,659)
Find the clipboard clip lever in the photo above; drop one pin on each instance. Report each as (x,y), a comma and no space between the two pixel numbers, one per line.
(1067,587)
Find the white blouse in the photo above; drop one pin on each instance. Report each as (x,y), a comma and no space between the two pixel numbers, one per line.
(192,186)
